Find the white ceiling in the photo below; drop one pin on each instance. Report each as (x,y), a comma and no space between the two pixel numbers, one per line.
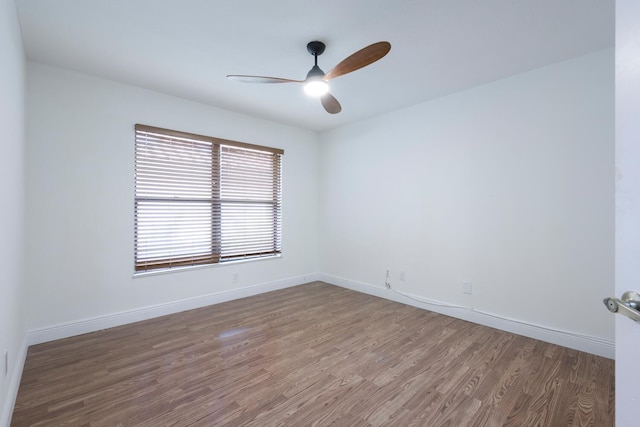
(187,47)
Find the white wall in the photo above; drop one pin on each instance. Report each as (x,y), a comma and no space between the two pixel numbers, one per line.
(80,168)
(508,186)
(12,125)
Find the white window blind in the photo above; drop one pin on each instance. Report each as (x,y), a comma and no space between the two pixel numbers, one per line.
(203,200)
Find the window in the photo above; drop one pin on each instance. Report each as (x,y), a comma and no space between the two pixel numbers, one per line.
(203,200)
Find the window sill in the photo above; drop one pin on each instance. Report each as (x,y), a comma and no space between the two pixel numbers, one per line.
(140,274)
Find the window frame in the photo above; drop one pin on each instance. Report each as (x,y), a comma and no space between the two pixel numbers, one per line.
(262,157)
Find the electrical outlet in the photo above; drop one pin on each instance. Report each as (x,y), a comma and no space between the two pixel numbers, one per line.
(387,279)
(467,288)
(403,276)
(234,278)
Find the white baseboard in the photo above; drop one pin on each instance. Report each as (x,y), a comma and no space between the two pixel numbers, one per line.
(593,345)
(14,383)
(83,326)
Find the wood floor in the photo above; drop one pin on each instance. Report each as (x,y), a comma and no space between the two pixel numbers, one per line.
(311,355)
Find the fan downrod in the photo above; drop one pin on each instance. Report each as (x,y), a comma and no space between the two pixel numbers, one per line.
(315,48)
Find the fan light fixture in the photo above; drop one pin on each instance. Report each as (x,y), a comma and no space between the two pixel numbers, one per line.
(313,84)
(316,88)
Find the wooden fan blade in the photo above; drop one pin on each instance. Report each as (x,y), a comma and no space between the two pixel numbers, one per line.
(261,79)
(361,58)
(330,104)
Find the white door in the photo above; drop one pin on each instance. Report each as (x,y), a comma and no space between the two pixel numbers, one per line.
(627,206)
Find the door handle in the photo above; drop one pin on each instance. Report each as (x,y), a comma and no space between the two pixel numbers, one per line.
(629,305)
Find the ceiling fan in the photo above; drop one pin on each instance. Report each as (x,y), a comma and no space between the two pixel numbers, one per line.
(315,84)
